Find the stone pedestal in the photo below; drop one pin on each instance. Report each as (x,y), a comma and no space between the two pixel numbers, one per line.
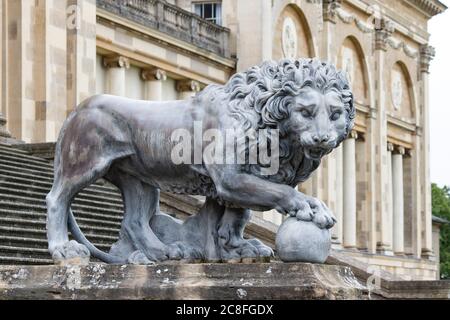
(257,281)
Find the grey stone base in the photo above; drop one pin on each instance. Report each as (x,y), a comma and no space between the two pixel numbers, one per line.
(181,281)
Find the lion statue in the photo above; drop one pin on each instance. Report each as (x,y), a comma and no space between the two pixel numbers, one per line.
(128,143)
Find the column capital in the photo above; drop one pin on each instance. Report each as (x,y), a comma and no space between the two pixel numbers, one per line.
(329,9)
(384,28)
(353,135)
(390,147)
(188,85)
(399,150)
(152,74)
(116,61)
(427,54)
(409,153)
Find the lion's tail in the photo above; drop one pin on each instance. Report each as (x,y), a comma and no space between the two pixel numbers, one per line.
(78,235)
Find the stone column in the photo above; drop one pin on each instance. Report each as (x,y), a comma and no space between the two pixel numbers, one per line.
(386,229)
(187,88)
(154,79)
(115,76)
(398,207)
(349,214)
(267,37)
(427,54)
(337,231)
(381,179)
(3,131)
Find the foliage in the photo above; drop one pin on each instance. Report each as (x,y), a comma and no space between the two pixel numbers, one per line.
(441,208)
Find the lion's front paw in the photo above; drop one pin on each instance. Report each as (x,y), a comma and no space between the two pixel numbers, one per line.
(304,212)
(70,252)
(322,216)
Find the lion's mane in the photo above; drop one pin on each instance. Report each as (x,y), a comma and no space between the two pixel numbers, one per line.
(261,98)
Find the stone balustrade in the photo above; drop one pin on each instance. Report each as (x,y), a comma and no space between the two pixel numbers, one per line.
(172,20)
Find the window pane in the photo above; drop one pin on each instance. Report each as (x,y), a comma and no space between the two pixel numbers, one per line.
(208,10)
(198,9)
(219,14)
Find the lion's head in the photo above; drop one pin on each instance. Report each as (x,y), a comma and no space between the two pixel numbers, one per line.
(308,101)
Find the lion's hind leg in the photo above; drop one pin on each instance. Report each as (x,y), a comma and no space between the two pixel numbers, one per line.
(232,245)
(65,187)
(138,244)
(84,153)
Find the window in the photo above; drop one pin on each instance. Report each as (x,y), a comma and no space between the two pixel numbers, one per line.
(210,11)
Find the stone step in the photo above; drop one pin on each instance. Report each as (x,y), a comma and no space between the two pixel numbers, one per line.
(45,181)
(46,172)
(42,216)
(20,153)
(78,212)
(10,147)
(95,189)
(30,253)
(42,234)
(7,260)
(24,252)
(41,204)
(31,242)
(42,192)
(25,180)
(40,196)
(41,225)
(26,160)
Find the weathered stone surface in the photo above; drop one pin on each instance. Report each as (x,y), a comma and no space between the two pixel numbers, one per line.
(181,281)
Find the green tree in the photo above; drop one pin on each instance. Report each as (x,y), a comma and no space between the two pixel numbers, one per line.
(441,208)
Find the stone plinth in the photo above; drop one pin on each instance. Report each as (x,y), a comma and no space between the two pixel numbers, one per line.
(181,281)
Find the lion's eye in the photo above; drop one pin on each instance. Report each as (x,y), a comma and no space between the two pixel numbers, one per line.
(306,113)
(336,115)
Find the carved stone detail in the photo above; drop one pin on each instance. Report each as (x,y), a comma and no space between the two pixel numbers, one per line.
(398,44)
(390,147)
(353,135)
(188,85)
(400,150)
(383,31)
(153,74)
(116,62)
(330,8)
(348,18)
(427,54)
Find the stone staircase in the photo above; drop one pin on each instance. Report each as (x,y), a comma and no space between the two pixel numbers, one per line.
(25,180)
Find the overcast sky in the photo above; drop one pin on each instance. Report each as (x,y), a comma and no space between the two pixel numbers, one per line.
(439,27)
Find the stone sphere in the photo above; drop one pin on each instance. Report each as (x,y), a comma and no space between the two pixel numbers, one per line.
(301,241)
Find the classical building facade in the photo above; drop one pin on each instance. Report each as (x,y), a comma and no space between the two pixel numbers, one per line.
(55,53)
